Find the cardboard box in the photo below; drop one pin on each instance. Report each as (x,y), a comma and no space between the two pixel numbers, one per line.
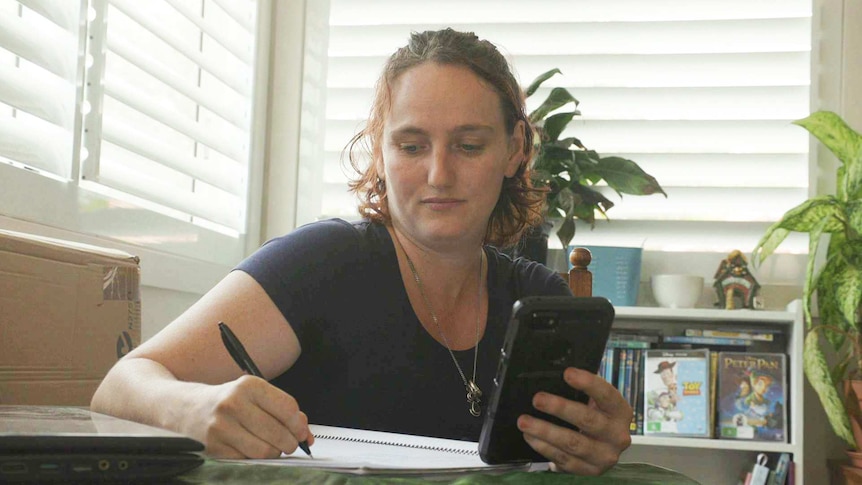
(68,311)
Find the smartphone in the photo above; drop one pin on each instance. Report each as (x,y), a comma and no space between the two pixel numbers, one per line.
(546,335)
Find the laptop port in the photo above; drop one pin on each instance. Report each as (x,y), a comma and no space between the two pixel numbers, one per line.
(49,467)
(104,465)
(122,464)
(82,468)
(13,468)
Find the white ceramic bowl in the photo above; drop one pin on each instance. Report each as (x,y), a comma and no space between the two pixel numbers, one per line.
(676,290)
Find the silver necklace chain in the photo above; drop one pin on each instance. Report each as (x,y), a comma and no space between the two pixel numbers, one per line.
(474,394)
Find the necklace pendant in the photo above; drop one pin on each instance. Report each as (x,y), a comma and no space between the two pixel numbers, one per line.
(474,397)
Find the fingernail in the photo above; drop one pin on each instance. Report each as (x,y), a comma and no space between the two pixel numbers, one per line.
(524,423)
(571,374)
(539,400)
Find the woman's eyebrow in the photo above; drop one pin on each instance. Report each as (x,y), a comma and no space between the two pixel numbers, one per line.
(458,130)
(473,128)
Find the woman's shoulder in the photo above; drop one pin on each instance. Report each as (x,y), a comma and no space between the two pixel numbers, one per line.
(527,277)
(330,241)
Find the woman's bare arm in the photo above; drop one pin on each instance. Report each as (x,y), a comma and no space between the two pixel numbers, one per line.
(185,380)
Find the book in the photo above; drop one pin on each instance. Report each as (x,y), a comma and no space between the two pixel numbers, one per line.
(713,392)
(364,452)
(676,386)
(752,396)
(744,334)
(682,339)
(636,403)
(781,468)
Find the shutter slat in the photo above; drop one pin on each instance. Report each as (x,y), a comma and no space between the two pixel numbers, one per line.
(46,97)
(212,30)
(63,13)
(238,81)
(226,176)
(221,210)
(123,92)
(400,12)
(39,145)
(591,38)
(235,113)
(54,50)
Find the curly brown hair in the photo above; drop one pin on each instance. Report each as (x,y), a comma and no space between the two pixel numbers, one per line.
(519,205)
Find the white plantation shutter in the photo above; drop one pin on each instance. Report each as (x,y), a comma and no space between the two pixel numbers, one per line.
(39,71)
(699,94)
(171,91)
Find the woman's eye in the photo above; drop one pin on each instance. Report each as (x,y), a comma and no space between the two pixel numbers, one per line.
(408,148)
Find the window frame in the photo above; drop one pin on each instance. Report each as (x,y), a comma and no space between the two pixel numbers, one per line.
(175,254)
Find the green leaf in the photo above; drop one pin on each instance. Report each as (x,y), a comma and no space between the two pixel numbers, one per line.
(567,142)
(844,142)
(555,160)
(811,212)
(555,124)
(828,302)
(839,372)
(626,177)
(853,213)
(566,231)
(566,200)
(807,288)
(539,80)
(558,98)
(818,375)
(772,238)
(848,288)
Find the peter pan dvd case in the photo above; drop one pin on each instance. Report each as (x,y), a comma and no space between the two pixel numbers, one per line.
(752,399)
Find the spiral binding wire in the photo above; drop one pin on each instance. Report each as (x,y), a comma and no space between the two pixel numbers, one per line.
(393,443)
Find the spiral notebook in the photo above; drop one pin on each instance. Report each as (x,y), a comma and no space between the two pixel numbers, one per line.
(376,452)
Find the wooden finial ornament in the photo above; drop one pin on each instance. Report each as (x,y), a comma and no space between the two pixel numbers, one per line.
(580,277)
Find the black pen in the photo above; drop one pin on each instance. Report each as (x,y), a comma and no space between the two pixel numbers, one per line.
(241,357)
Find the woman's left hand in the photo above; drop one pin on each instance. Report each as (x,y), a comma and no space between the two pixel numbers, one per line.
(604,426)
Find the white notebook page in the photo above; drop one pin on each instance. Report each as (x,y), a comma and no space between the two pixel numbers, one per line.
(361,451)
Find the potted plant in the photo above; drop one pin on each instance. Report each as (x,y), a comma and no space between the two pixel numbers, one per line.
(570,171)
(837,285)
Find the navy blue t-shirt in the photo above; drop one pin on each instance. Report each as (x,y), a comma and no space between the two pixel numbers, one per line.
(366,360)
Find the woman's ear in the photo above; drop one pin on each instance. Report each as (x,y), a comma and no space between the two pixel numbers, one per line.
(516,149)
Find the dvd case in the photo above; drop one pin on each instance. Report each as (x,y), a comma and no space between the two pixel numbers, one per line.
(676,386)
(752,401)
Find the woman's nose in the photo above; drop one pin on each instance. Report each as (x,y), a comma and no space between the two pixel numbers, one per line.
(440,168)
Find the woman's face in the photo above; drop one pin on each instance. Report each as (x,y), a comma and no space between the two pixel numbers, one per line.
(445,153)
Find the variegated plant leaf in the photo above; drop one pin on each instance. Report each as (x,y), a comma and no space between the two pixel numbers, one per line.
(808,288)
(806,215)
(817,372)
(853,211)
(844,142)
(830,312)
(772,238)
(839,371)
(848,288)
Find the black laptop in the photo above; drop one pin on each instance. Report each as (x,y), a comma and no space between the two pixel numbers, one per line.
(40,444)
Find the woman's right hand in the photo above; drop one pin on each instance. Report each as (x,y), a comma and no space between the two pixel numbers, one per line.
(247,418)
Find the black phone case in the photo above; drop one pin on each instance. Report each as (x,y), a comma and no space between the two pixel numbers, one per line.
(546,335)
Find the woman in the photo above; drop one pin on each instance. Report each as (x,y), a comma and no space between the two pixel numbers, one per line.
(383,323)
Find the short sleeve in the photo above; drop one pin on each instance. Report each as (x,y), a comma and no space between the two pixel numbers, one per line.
(299,269)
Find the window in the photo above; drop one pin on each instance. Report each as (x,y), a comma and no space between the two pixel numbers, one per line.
(135,120)
(699,94)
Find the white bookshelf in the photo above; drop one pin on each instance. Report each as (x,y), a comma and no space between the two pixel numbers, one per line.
(720,461)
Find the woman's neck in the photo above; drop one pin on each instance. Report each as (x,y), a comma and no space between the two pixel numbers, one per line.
(446,285)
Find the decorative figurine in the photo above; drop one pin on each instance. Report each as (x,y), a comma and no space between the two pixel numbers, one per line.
(734,284)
